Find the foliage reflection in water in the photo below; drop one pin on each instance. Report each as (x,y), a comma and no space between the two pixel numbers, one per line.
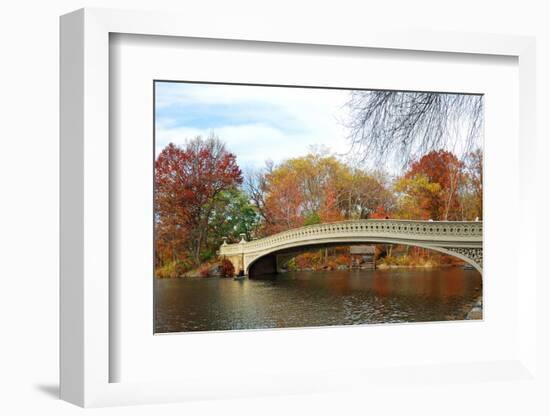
(309,299)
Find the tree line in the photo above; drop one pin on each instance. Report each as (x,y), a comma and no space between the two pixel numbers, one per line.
(201,196)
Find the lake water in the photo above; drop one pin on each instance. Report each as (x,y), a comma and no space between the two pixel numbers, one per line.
(309,299)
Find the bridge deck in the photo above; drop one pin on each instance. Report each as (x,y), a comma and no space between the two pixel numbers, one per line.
(406,230)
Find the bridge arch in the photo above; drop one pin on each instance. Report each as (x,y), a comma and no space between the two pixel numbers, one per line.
(299,249)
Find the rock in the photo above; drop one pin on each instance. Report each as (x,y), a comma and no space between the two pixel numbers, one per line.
(215,271)
(475,313)
(192,273)
(477,310)
(367,267)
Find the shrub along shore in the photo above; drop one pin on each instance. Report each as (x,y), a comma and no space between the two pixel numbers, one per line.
(325,260)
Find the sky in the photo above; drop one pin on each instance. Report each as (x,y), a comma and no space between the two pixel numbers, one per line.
(257,123)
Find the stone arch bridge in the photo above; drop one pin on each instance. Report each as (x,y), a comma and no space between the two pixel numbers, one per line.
(462,239)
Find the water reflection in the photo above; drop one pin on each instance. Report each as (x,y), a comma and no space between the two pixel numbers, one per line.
(305,299)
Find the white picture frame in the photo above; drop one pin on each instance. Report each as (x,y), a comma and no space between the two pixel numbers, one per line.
(85,220)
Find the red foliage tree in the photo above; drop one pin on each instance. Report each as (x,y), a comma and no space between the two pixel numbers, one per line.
(186,182)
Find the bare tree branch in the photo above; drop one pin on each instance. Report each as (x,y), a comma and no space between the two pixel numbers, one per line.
(396,126)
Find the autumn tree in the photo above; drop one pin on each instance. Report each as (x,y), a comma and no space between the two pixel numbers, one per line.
(362,194)
(419,197)
(283,203)
(316,173)
(187,182)
(314,188)
(444,169)
(302,188)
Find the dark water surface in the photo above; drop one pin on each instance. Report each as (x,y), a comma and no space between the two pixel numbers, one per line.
(305,299)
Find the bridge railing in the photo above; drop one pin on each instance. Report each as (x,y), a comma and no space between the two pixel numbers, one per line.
(421,230)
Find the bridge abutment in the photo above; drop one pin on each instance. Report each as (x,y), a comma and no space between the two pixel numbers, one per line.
(238,264)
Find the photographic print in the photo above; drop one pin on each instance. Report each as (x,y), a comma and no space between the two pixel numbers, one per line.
(289,206)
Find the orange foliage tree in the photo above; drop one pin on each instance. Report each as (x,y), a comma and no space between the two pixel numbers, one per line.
(316,188)
(434,180)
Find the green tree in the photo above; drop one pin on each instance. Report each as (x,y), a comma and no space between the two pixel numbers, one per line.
(232,215)
(312,219)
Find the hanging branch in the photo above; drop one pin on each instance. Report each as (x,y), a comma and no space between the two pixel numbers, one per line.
(396,126)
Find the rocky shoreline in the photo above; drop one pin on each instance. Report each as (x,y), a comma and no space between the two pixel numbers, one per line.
(211,270)
(427,265)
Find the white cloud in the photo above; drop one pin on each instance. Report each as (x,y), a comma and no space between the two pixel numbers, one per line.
(315,115)
(255,143)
